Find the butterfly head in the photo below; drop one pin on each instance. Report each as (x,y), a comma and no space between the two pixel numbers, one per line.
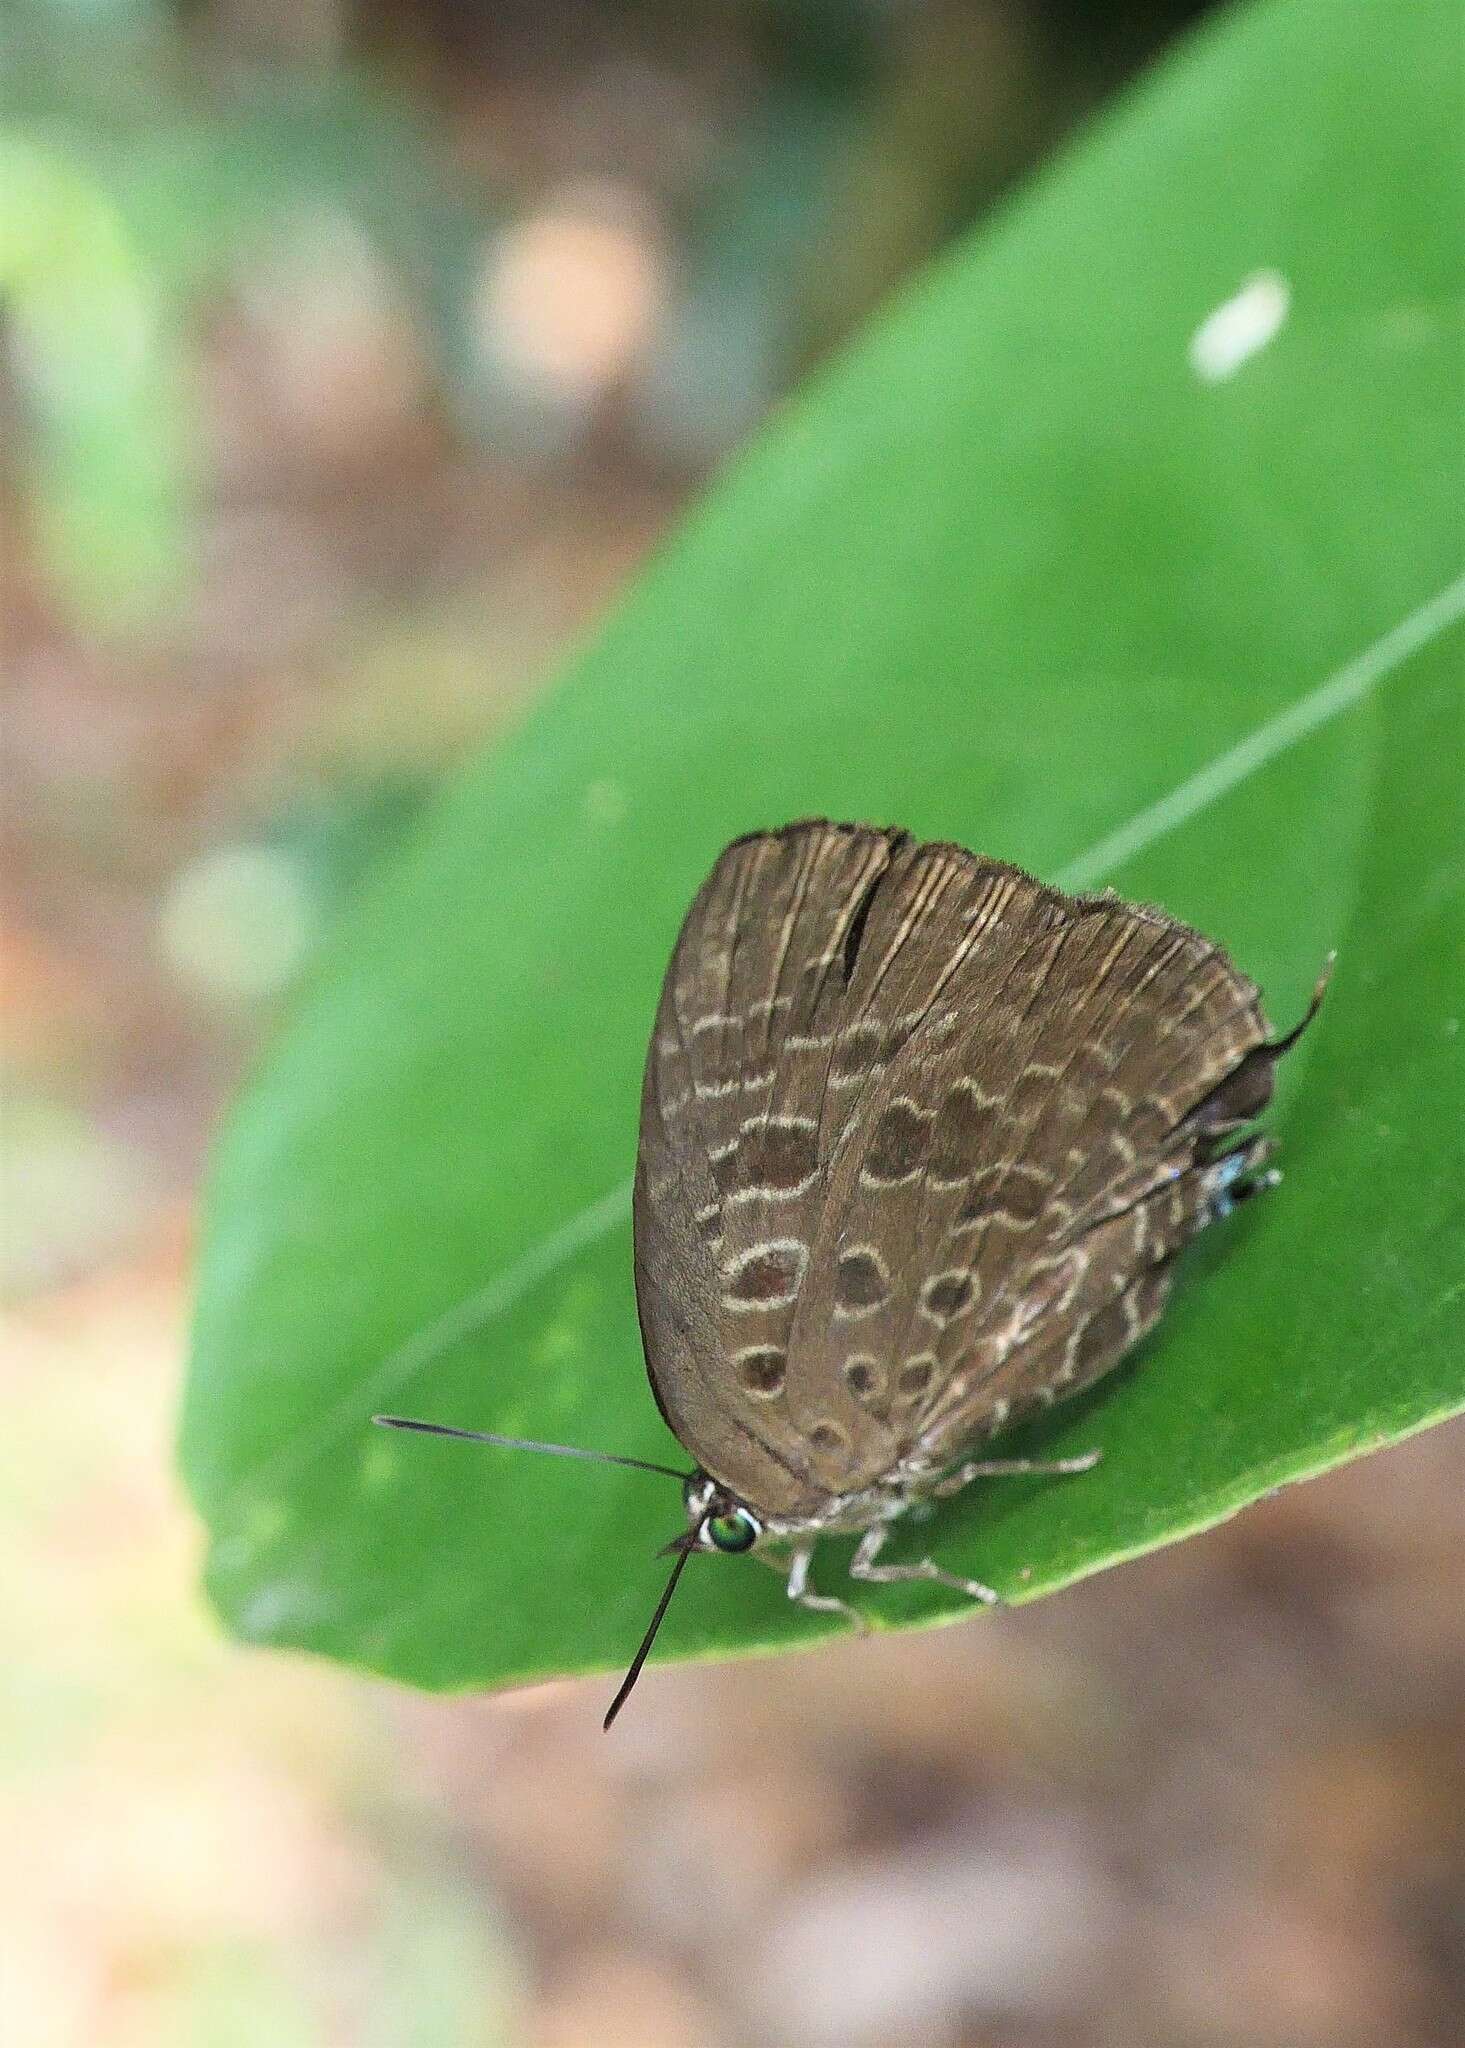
(716,1519)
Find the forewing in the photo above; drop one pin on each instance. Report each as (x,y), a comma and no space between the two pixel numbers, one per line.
(734,1142)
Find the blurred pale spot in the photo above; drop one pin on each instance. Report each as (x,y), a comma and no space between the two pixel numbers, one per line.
(711,372)
(67,1190)
(239,922)
(569,297)
(83,312)
(1004,1915)
(345,361)
(605,801)
(608,1999)
(1240,327)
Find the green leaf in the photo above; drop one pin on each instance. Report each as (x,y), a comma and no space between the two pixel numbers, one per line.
(1058,561)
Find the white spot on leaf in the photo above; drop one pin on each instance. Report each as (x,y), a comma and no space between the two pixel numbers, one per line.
(281,1604)
(1240,327)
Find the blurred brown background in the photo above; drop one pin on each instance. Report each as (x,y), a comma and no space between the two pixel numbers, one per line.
(350,361)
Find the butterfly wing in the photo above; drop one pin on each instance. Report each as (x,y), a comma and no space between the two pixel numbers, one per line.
(734,1145)
(919,1139)
(1001,1212)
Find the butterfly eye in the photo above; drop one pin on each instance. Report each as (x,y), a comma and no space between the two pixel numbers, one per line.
(733,1532)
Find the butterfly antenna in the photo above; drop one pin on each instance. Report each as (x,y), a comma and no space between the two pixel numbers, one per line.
(1277,1046)
(686,1545)
(524,1443)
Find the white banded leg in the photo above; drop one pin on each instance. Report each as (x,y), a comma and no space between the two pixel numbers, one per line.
(796,1570)
(863,1566)
(1002,1468)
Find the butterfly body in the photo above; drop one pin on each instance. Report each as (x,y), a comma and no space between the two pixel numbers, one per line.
(921,1139)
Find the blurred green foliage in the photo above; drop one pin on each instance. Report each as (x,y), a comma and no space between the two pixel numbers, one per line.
(153,157)
(133,189)
(102,368)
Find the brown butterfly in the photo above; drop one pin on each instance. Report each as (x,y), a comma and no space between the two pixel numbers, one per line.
(921,1139)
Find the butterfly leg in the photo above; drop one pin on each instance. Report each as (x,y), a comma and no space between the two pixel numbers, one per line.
(999,1468)
(863,1566)
(797,1572)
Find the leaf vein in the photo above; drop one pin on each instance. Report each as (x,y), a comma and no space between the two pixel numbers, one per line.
(1339,692)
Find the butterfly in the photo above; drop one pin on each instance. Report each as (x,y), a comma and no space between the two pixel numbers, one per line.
(921,1141)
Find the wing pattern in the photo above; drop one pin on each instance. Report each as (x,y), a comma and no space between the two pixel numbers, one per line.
(730,1169)
(920,1138)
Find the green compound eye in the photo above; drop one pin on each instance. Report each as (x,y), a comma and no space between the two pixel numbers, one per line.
(734,1532)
